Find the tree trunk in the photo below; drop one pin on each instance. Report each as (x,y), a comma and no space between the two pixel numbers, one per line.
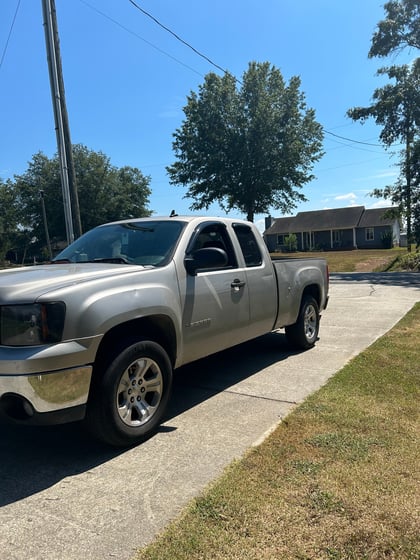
(408,186)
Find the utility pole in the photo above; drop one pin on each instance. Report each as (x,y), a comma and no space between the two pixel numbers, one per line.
(67,173)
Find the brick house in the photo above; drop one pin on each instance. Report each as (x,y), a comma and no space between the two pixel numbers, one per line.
(336,229)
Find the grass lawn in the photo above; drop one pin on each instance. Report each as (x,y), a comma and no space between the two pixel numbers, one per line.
(358,260)
(337,480)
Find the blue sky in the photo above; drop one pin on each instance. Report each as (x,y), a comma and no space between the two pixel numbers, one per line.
(126,82)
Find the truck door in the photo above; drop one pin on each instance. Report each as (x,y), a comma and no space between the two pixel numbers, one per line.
(216,302)
(261,281)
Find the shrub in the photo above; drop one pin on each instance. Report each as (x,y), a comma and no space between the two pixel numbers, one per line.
(290,243)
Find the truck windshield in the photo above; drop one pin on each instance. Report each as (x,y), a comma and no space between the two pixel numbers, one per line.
(138,242)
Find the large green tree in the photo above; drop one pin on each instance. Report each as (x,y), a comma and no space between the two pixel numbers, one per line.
(247,145)
(106,193)
(396,106)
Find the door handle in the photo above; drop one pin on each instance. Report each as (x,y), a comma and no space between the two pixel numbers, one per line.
(237,284)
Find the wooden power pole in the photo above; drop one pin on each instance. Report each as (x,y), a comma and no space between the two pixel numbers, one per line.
(67,172)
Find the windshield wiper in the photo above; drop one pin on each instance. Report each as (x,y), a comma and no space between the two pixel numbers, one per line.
(111,260)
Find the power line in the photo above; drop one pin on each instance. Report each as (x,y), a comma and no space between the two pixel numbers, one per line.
(10,34)
(115,22)
(356,141)
(353,147)
(177,37)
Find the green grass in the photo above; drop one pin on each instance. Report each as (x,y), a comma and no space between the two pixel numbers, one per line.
(366,260)
(358,260)
(337,480)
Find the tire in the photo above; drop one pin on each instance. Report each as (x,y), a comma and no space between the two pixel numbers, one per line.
(304,333)
(130,394)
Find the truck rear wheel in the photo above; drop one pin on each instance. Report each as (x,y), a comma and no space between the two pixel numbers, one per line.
(304,333)
(130,395)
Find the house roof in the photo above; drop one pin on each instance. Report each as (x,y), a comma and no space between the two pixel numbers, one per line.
(375,217)
(331,219)
(282,225)
(335,218)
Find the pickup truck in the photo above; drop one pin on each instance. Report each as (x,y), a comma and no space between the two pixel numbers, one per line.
(96,334)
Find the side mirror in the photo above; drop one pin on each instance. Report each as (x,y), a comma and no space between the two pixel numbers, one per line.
(209,258)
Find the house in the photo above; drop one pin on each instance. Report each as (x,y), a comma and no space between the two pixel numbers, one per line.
(335,229)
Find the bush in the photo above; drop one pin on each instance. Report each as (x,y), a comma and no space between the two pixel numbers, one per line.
(387,240)
(290,243)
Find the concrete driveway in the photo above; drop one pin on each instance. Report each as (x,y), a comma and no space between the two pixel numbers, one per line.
(63,496)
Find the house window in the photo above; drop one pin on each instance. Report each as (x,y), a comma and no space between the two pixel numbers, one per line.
(281,239)
(336,237)
(370,234)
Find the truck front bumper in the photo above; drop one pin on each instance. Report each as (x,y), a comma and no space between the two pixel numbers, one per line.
(48,398)
(35,389)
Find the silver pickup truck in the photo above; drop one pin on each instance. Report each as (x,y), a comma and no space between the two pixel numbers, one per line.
(97,333)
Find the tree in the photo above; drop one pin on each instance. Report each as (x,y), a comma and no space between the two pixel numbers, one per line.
(106,193)
(8,219)
(251,149)
(399,29)
(397,110)
(397,106)
(415,202)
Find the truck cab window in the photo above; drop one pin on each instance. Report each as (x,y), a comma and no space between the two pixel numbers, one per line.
(250,249)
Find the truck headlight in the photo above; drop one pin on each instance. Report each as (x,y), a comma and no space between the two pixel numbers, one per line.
(31,324)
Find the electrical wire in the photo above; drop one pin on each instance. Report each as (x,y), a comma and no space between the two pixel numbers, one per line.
(177,37)
(115,22)
(10,34)
(356,141)
(353,147)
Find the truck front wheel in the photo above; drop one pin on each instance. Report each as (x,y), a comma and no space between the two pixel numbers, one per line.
(304,333)
(130,394)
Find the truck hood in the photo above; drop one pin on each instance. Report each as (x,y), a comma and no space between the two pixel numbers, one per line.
(30,283)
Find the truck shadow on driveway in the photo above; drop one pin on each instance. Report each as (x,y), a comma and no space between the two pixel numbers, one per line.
(33,459)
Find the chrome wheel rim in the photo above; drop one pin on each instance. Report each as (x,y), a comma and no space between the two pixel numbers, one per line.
(310,322)
(139,392)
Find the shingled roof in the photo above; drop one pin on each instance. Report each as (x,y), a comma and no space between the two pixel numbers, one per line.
(282,225)
(331,219)
(335,218)
(375,217)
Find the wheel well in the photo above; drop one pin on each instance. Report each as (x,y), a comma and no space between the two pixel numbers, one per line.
(158,328)
(314,291)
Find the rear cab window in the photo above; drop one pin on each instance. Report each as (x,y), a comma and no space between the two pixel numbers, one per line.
(249,245)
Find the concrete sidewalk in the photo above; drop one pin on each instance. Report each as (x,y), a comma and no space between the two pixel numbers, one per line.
(64,497)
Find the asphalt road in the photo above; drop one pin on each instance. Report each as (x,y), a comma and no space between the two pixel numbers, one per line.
(64,497)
